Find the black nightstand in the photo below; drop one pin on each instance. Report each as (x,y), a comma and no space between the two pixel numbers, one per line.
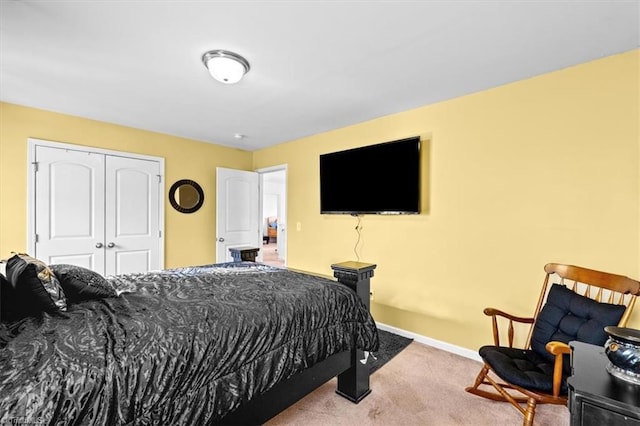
(244,254)
(597,398)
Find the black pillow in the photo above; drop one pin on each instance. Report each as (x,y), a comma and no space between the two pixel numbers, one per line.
(568,316)
(81,283)
(8,302)
(37,288)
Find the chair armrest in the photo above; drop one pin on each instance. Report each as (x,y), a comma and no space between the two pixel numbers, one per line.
(495,313)
(558,349)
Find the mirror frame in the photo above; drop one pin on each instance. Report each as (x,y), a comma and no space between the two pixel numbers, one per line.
(174,189)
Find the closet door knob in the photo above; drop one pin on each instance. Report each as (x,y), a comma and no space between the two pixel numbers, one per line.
(111,245)
(221,240)
(99,245)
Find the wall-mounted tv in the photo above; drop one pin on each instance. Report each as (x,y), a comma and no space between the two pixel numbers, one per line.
(374,179)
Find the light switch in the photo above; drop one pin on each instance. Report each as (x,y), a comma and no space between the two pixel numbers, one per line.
(298,226)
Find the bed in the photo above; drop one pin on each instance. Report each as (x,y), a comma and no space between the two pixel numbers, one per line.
(225,343)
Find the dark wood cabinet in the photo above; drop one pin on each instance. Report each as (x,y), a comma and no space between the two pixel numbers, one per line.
(595,396)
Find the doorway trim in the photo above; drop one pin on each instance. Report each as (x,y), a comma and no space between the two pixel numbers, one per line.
(271,169)
(32,143)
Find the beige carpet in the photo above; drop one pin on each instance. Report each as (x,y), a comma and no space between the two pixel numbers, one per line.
(420,386)
(270,255)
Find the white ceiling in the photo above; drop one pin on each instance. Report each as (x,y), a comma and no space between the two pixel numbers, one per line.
(315,65)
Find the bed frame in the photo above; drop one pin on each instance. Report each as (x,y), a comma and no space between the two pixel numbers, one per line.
(353,376)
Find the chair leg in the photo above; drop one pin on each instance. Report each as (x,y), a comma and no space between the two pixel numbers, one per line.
(481,375)
(484,379)
(502,395)
(529,412)
(481,380)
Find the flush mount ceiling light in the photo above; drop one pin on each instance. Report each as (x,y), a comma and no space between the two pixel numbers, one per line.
(226,67)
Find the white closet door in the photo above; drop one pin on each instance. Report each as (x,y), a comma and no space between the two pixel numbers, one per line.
(132,230)
(69,214)
(95,208)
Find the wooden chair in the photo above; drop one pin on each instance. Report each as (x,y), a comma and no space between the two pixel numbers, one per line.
(576,307)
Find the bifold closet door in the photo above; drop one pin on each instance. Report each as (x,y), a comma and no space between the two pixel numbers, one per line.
(132,228)
(69,213)
(98,211)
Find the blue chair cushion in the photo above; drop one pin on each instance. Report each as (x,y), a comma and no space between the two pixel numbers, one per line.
(522,367)
(568,316)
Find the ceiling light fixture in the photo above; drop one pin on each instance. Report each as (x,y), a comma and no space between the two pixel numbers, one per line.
(226,67)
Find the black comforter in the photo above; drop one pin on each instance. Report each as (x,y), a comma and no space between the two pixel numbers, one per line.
(183,346)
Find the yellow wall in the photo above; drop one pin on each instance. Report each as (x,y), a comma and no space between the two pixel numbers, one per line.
(189,238)
(541,170)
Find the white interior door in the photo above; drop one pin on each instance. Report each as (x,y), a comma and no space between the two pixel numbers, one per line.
(69,218)
(132,231)
(238,210)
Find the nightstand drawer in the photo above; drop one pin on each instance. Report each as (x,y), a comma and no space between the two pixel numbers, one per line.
(594,415)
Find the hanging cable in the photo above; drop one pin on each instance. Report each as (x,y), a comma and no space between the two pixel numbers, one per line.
(358,229)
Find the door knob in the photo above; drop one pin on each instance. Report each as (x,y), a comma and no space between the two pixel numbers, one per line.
(111,245)
(99,245)
(221,240)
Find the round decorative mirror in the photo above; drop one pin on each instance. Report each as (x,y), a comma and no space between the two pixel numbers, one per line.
(186,196)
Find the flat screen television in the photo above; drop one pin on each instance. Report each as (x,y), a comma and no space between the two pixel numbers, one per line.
(374,179)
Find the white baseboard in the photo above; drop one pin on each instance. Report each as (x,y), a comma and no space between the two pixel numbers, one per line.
(438,344)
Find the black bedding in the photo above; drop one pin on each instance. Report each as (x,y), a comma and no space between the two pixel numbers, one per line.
(182,346)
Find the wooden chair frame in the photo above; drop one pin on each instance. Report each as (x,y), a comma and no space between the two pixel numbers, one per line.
(597,285)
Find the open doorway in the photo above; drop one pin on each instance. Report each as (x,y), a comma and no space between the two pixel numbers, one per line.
(273,195)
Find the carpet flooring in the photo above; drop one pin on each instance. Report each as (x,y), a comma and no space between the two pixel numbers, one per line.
(421,386)
(390,345)
(270,255)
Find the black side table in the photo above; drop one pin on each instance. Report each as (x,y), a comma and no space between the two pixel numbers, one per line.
(597,398)
(246,254)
